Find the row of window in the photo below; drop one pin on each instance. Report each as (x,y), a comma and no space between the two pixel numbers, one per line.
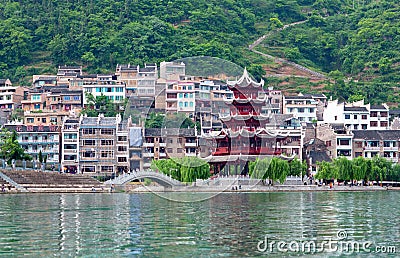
(109,89)
(301,110)
(186,104)
(106,131)
(6,97)
(43,120)
(75,98)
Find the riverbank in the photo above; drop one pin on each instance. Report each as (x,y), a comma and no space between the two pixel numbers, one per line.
(280,188)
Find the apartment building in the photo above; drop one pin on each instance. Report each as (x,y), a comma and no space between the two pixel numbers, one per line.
(139,81)
(10,96)
(168,143)
(382,143)
(64,99)
(338,139)
(38,138)
(357,115)
(172,70)
(303,107)
(103,145)
(70,146)
(34,100)
(101,85)
(45,117)
(180,97)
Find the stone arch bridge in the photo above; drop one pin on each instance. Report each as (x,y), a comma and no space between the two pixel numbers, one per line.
(160,178)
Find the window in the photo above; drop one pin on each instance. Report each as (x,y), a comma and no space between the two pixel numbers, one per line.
(180,150)
(170,150)
(70,136)
(44,120)
(89,142)
(328,143)
(121,159)
(347,116)
(67,98)
(70,146)
(311,110)
(374,114)
(122,138)
(359,144)
(107,154)
(335,118)
(384,123)
(301,110)
(343,142)
(364,127)
(35,97)
(355,116)
(89,131)
(358,154)
(107,142)
(30,120)
(36,106)
(107,131)
(364,117)
(373,124)
(69,157)
(77,98)
(107,168)
(89,154)
(386,144)
(355,127)
(384,114)
(122,148)
(53,120)
(89,169)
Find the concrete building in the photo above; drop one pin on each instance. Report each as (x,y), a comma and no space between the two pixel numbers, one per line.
(10,96)
(382,143)
(168,143)
(357,115)
(46,117)
(70,146)
(180,97)
(38,138)
(172,70)
(338,139)
(103,145)
(303,107)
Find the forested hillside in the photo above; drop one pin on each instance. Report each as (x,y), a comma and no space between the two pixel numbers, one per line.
(357,38)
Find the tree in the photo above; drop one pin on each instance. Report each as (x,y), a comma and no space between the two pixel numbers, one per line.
(99,105)
(12,150)
(186,169)
(40,156)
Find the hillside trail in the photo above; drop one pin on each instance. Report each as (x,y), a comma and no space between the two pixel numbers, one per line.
(281,60)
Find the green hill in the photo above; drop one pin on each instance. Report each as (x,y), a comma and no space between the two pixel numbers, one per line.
(359,39)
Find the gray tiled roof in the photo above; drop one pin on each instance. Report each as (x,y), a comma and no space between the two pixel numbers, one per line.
(379,107)
(377,134)
(360,109)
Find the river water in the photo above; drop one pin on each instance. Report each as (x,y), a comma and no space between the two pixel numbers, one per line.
(228,225)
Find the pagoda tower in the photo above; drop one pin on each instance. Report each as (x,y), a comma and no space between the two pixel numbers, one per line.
(247,133)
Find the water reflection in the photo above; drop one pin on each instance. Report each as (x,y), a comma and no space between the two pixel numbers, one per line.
(147,225)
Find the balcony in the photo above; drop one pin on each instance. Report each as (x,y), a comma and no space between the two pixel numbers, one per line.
(148,144)
(148,155)
(69,151)
(246,151)
(369,148)
(390,148)
(190,144)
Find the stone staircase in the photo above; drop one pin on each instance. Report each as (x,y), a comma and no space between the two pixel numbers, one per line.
(34,181)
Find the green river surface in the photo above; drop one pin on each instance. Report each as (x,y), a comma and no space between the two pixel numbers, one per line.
(227,225)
